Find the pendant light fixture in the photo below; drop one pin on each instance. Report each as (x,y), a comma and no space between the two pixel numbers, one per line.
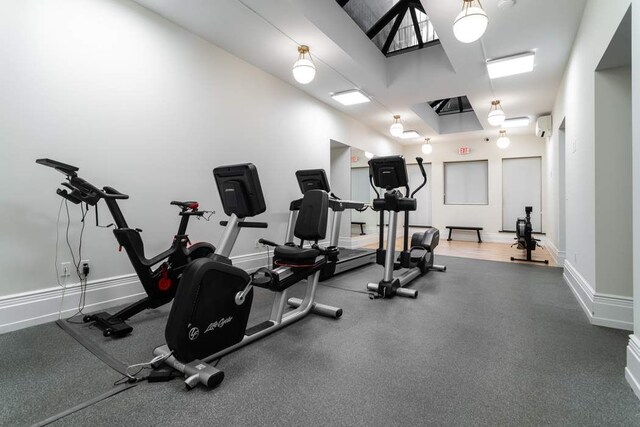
(303,69)
(427,148)
(496,114)
(471,22)
(503,141)
(396,128)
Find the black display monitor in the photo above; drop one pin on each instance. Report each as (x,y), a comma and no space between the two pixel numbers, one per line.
(313,179)
(240,190)
(389,172)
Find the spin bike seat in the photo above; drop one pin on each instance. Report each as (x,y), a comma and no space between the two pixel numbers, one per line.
(191,204)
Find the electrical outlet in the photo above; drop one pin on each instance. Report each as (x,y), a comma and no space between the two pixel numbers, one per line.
(84,263)
(65,269)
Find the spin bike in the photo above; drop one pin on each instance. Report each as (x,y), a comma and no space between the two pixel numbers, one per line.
(160,283)
(524,238)
(209,315)
(390,173)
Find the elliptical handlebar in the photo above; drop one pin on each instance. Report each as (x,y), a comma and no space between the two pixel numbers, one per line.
(373,185)
(424,176)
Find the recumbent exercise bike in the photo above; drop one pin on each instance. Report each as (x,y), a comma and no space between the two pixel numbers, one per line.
(160,283)
(210,312)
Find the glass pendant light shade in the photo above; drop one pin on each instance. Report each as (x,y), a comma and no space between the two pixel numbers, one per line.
(503,141)
(303,69)
(396,128)
(496,114)
(471,22)
(427,148)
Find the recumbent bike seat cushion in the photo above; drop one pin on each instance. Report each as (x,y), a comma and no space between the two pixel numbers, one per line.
(295,255)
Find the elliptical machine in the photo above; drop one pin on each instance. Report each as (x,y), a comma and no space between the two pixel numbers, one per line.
(160,283)
(524,238)
(390,173)
(211,309)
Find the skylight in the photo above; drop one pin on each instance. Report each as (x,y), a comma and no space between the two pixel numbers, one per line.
(394,26)
(446,106)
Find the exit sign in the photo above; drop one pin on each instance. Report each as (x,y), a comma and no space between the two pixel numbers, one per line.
(464,150)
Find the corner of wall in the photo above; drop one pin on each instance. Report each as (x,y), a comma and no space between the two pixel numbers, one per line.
(632,370)
(611,311)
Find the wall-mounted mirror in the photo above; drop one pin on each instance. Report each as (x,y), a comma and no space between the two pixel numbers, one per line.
(362,223)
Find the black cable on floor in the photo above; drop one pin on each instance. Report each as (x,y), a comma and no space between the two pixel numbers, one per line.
(93,401)
(96,350)
(346,289)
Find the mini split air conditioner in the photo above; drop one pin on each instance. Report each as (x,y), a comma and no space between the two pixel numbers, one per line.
(543,126)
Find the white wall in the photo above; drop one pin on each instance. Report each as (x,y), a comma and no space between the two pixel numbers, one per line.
(487,216)
(614,244)
(633,350)
(150,109)
(576,103)
(636,158)
(340,181)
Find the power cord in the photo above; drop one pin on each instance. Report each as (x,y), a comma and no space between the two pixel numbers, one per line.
(132,377)
(82,275)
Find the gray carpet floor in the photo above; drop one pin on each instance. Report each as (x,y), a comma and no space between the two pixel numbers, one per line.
(486,343)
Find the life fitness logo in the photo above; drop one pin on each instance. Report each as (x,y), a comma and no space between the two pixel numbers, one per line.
(194,333)
(218,324)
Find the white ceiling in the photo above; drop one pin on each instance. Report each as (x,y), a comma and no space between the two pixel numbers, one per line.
(265,33)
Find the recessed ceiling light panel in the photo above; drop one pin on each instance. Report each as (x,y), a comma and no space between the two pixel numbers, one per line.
(511,65)
(516,122)
(351,97)
(409,134)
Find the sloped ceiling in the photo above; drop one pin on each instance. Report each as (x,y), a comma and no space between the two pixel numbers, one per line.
(265,33)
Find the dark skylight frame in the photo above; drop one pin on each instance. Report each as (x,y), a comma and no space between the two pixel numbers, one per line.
(448,106)
(394,26)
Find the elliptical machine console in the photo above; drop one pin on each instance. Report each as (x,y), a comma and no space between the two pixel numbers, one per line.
(160,283)
(390,173)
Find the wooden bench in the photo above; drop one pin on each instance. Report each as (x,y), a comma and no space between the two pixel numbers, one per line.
(457,227)
(361,224)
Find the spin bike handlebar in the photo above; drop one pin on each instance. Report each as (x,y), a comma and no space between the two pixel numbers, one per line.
(81,190)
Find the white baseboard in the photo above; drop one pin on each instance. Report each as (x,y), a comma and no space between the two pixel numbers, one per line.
(612,311)
(358,241)
(557,255)
(27,309)
(632,371)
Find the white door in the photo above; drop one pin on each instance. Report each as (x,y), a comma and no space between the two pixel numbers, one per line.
(422,216)
(521,186)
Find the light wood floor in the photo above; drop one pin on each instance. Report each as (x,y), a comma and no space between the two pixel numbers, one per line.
(486,251)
